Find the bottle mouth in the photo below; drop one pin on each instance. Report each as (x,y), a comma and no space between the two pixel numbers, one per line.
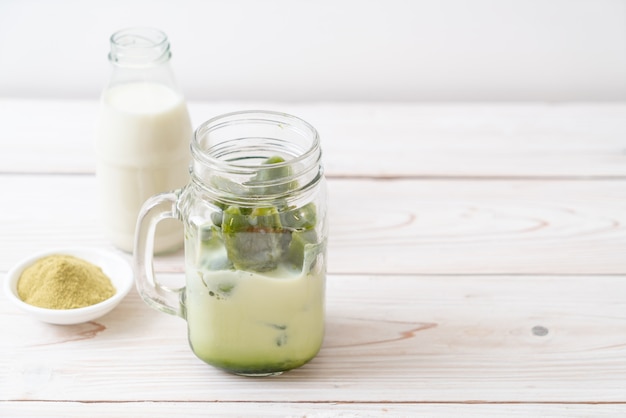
(139,46)
(256,155)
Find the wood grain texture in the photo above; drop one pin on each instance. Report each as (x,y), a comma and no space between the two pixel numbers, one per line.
(402,339)
(476,262)
(384,227)
(367,139)
(302,410)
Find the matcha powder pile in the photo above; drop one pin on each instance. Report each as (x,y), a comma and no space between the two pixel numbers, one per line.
(64,282)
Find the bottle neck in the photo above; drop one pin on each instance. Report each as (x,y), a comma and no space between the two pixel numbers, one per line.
(141,55)
(139,48)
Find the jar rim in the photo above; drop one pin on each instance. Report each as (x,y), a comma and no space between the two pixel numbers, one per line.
(246,116)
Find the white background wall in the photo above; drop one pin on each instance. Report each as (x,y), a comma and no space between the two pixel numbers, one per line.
(550,50)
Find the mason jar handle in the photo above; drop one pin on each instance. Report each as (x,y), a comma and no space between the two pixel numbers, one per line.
(154,210)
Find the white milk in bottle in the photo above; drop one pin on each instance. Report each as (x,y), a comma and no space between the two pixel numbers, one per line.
(142,139)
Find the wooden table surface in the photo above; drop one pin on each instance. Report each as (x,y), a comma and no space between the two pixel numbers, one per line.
(477,267)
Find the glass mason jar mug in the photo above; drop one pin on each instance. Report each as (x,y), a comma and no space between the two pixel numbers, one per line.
(254,217)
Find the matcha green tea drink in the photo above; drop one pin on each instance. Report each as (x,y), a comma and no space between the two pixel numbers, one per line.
(255,244)
(254,322)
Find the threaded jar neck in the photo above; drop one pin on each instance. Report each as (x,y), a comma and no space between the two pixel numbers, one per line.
(138,47)
(256,156)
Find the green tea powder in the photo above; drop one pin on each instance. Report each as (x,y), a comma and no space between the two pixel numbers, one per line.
(63,282)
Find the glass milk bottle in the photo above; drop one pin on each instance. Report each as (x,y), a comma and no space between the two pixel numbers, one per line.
(143,135)
(255,244)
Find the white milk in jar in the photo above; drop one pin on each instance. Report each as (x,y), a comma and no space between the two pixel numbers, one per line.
(141,127)
(142,139)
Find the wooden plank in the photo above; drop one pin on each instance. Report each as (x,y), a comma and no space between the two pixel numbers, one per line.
(409,339)
(366,139)
(293,410)
(383,227)
(486,227)
(484,140)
